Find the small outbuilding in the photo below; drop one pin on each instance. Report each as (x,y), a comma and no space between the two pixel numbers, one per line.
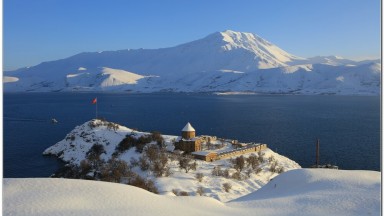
(208,156)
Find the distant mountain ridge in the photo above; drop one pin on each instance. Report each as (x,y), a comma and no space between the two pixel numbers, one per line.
(222,61)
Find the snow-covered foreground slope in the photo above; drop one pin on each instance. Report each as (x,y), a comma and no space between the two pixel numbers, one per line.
(317,192)
(74,147)
(222,61)
(296,192)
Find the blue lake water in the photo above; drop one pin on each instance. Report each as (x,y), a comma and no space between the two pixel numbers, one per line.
(348,126)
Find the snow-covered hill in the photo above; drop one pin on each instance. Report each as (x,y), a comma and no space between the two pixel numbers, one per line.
(296,192)
(222,61)
(73,149)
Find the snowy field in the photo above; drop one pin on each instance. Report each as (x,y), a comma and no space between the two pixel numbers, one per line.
(296,192)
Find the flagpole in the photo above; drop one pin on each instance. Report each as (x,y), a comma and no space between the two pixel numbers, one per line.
(96,107)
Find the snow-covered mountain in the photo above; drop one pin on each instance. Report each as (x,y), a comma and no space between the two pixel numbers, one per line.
(222,61)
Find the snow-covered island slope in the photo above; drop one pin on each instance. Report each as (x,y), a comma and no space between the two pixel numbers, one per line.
(296,192)
(73,149)
(223,61)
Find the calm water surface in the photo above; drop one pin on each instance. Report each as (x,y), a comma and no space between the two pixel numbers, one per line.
(348,126)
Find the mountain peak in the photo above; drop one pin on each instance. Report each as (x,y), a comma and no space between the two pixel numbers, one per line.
(241,38)
(269,54)
(237,34)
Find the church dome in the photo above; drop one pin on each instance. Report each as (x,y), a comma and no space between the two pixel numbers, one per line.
(188,128)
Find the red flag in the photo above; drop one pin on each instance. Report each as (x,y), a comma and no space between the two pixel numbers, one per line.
(94,101)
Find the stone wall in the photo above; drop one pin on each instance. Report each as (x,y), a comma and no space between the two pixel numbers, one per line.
(188,134)
(208,157)
(188,146)
(241,151)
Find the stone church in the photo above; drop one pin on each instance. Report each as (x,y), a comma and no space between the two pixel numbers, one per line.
(188,142)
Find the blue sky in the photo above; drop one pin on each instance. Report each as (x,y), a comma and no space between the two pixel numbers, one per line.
(45,30)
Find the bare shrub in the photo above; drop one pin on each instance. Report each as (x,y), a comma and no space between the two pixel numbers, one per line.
(114,170)
(194,166)
(152,152)
(183,193)
(68,171)
(258,170)
(145,139)
(156,136)
(261,156)
(138,181)
(227,186)
(237,175)
(112,126)
(125,144)
(273,167)
(280,170)
(85,167)
(92,124)
(134,162)
(72,137)
(217,171)
(185,162)
(173,157)
(151,187)
(271,159)
(143,163)
(159,168)
(148,185)
(157,159)
(168,172)
(200,190)
(94,152)
(199,176)
(252,161)
(238,163)
(248,172)
(225,173)
(175,191)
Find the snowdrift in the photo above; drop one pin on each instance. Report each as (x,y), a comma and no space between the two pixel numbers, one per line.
(317,192)
(296,192)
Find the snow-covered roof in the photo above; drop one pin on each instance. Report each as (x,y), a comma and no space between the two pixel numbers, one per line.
(188,127)
(203,153)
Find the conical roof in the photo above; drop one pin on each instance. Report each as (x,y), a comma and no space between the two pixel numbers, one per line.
(188,127)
